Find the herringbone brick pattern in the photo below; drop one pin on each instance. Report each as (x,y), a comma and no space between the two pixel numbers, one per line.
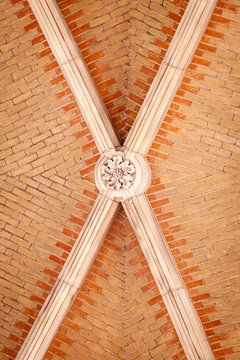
(47,183)
(45,145)
(118,313)
(195,191)
(123,43)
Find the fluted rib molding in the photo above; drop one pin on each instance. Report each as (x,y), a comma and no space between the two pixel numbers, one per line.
(168,279)
(169,75)
(75,72)
(70,279)
(175,295)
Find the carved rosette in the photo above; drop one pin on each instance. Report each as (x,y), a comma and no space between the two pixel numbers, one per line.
(121,174)
(118,173)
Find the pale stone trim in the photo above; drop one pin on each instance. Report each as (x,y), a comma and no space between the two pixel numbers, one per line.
(161,263)
(69,280)
(169,75)
(75,72)
(168,279)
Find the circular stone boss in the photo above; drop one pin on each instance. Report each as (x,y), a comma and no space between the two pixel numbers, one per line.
(121,175)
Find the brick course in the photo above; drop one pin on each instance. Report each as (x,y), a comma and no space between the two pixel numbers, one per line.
(47,161)
(118,313)
(194,190)
(44,198)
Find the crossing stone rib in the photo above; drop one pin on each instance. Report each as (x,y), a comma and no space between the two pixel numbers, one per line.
(70,279)
(168,278)
(169,76)
(135,203)
(75,72)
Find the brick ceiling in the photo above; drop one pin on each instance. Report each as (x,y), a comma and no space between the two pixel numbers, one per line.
(47,179)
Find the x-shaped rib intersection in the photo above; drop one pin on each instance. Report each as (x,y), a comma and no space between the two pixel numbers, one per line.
(135,203)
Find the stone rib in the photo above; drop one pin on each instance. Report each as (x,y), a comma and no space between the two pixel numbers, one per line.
(169,76)
(69,280)
(168,279)
(162,265)
(75,72)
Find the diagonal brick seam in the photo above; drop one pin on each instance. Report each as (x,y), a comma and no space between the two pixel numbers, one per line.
(120,257)
(58,261)
(188,11)
(87,173)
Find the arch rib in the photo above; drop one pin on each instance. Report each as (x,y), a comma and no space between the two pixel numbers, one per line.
(139,140)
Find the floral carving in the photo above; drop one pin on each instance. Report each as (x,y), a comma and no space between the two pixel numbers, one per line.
(118,173)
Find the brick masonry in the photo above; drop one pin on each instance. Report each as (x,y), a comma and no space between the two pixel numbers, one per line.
(195,187)
(47,186)
(121,42)
(118,313)
(45,146)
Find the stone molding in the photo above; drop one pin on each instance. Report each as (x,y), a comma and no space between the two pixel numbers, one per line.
(75,72)
(169,75)
(69,280)
(139,140)
(168,278)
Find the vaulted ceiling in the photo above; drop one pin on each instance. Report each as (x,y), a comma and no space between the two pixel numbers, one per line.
(48,190)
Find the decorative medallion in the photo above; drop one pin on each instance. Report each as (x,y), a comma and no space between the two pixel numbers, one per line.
(118,173)
(121,174)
